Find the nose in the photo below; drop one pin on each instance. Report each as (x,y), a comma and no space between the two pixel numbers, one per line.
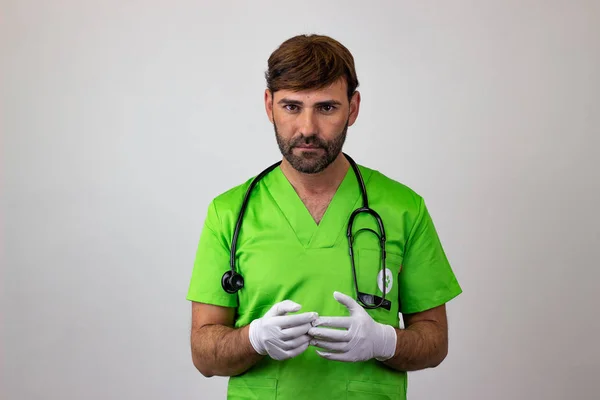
(308,123)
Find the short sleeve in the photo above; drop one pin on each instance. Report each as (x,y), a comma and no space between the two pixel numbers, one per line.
(211,262)
(426,279)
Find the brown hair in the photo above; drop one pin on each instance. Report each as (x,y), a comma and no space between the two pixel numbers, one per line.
(310,62)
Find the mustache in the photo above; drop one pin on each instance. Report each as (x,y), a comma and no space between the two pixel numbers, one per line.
(310,140)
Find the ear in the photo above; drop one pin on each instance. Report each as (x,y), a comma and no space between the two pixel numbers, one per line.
(354,108)
(269,104)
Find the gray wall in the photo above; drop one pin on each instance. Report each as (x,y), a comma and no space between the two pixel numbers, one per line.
(122,119)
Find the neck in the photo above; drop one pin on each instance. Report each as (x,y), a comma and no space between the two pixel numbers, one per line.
(321,183)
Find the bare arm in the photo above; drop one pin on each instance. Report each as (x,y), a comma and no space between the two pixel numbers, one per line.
(217,347)
(424,342)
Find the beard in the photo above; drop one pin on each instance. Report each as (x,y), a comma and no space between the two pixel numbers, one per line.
(311,162)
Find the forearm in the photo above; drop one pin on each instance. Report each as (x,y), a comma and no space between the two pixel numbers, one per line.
(422,345)
(223,351)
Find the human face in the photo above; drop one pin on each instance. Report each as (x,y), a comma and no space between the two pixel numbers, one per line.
(311,125)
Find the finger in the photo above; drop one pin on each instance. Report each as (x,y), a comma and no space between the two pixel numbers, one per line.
(276,344)
(333,322)
(280,353)
(296,342)
(330,346)
(288,321)
(347,301)
(330,335)
(335,356)
(282,308)
(294,332)
(298,350)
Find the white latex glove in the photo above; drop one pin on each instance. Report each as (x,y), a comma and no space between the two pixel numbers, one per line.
(279,335)
(361,339)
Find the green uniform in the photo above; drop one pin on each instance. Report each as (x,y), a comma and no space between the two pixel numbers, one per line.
(284,255)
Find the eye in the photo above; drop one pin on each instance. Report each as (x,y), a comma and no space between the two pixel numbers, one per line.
(291,107)
(327,108)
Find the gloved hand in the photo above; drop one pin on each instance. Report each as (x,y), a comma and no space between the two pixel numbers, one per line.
(281,336)
(361,340)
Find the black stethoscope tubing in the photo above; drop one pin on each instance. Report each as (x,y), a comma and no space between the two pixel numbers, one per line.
(233,281)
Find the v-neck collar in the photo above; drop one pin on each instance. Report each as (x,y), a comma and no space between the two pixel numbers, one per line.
(310,234)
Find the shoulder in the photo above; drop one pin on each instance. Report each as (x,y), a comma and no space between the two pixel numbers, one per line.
(231,199)
(390,190)
(224,208)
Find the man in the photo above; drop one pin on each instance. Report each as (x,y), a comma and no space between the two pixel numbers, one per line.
(314,317)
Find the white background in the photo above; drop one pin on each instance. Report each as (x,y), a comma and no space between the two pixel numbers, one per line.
(121,120)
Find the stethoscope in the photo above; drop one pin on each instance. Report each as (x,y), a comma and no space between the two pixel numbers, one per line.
(232,281)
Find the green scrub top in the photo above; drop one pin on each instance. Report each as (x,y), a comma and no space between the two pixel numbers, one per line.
(284,255)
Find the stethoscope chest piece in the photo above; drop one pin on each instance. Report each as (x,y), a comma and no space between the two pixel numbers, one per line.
(232,282)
